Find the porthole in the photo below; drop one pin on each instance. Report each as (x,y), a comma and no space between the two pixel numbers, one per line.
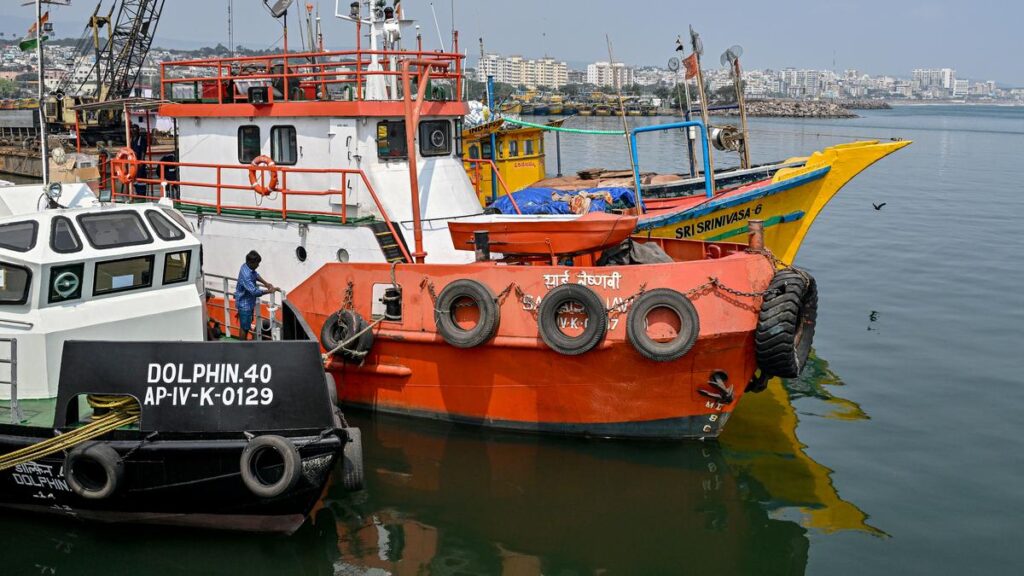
(300,253)
(342,255)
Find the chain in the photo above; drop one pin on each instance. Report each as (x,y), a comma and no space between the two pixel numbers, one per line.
(426,283)
(621,306)
(500,299)
(347,301)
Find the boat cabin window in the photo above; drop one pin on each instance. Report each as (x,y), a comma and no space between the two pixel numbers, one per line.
(501,149)
(458,138)
(19,236)
(485,150)
(474,151)
(283,148)
(391,139)
(66,282)
(177,217)
(513,148)
(114,229)
(14,283)
(529,147)
(176,266)
(63,238)
(125,274)
(164,229)
(435,138)
(248,143)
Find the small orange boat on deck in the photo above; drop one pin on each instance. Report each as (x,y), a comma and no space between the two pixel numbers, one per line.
(551,235)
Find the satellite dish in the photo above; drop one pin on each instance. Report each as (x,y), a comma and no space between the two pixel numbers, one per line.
(731,55)
(280,8)
(673,64)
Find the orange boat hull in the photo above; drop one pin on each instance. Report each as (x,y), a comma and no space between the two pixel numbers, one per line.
(515,381)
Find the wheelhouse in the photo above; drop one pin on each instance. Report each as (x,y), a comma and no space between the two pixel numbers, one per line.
(108,272)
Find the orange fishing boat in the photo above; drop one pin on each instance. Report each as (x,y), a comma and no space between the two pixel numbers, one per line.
(346,161)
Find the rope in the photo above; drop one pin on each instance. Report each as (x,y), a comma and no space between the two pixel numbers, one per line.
(567,130)
(123,411)
(327,355)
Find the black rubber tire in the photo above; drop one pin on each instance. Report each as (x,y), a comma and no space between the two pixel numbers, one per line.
(332,388)
(339,327)
(444,318)
(99,455)
(291,464)
(785,326)
(352,461)
(636,325)
(547,320)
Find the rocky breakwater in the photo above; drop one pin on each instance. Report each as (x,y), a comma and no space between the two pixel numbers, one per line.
(792,109)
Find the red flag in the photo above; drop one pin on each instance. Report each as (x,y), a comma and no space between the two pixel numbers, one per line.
(690,62)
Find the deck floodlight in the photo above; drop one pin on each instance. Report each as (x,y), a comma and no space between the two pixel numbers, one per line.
(54,190)
(354,10)
(280,8)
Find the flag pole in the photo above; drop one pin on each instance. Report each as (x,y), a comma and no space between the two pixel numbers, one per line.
(42,116)
(698,50)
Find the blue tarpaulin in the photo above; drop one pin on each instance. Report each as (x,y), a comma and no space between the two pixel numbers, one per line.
(539,201)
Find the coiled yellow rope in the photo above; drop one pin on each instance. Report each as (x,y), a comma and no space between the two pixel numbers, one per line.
(123,411)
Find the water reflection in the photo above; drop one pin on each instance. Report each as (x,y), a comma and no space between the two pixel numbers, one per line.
(449,500)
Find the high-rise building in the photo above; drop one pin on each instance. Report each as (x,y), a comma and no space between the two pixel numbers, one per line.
(605,74)
(545,72)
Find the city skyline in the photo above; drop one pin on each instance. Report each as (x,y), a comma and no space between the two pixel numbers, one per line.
(811,35)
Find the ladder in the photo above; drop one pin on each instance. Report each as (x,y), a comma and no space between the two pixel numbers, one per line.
(388,243)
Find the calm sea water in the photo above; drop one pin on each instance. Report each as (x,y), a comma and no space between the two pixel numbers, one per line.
(900,450)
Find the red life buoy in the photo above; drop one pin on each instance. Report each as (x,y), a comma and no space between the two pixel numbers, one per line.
(125,166)
(257,175)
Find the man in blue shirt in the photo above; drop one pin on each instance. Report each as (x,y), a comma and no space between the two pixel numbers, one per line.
(247,292)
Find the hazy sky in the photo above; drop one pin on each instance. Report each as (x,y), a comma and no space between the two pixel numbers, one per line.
(981,39)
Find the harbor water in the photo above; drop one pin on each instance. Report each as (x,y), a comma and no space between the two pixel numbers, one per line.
(899,450)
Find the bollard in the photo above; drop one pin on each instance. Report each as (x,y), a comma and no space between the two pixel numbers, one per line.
(482,245)
(756,239)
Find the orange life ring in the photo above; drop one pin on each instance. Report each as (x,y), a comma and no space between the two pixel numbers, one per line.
(125,166)
(257,168)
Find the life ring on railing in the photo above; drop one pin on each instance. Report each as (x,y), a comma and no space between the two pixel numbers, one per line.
(549,320)
(476,294)
(785,326)
(257,168)
(637,325)
(93,470)
(124,166)
(270,466)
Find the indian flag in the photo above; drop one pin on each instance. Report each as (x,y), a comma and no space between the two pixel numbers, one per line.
(31,40)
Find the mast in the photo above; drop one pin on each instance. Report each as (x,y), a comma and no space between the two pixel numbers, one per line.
(42,117)
(742,103)
(698,49)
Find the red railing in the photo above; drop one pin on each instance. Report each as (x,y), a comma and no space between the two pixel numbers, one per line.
(477,176)
(156,177)
(305,76)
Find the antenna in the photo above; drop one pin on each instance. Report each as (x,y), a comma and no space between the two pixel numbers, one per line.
(438,26)
(231,27)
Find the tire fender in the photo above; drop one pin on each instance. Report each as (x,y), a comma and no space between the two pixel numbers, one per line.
(339,327)
(785,325)
(104,474)
(256,459)
(444,313)
(636,325)
(548,319)
(352,461)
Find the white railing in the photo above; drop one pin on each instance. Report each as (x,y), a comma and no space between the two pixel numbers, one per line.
(12,359)
(224,286)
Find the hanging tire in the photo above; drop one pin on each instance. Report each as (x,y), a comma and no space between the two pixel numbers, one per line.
(636,325)
(785,326)
(341,326)
(444,313)
(270,466)
(93,470)
(594,329)
(352,461)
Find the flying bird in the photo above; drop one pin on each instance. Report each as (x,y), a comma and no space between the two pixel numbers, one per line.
(879,206)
